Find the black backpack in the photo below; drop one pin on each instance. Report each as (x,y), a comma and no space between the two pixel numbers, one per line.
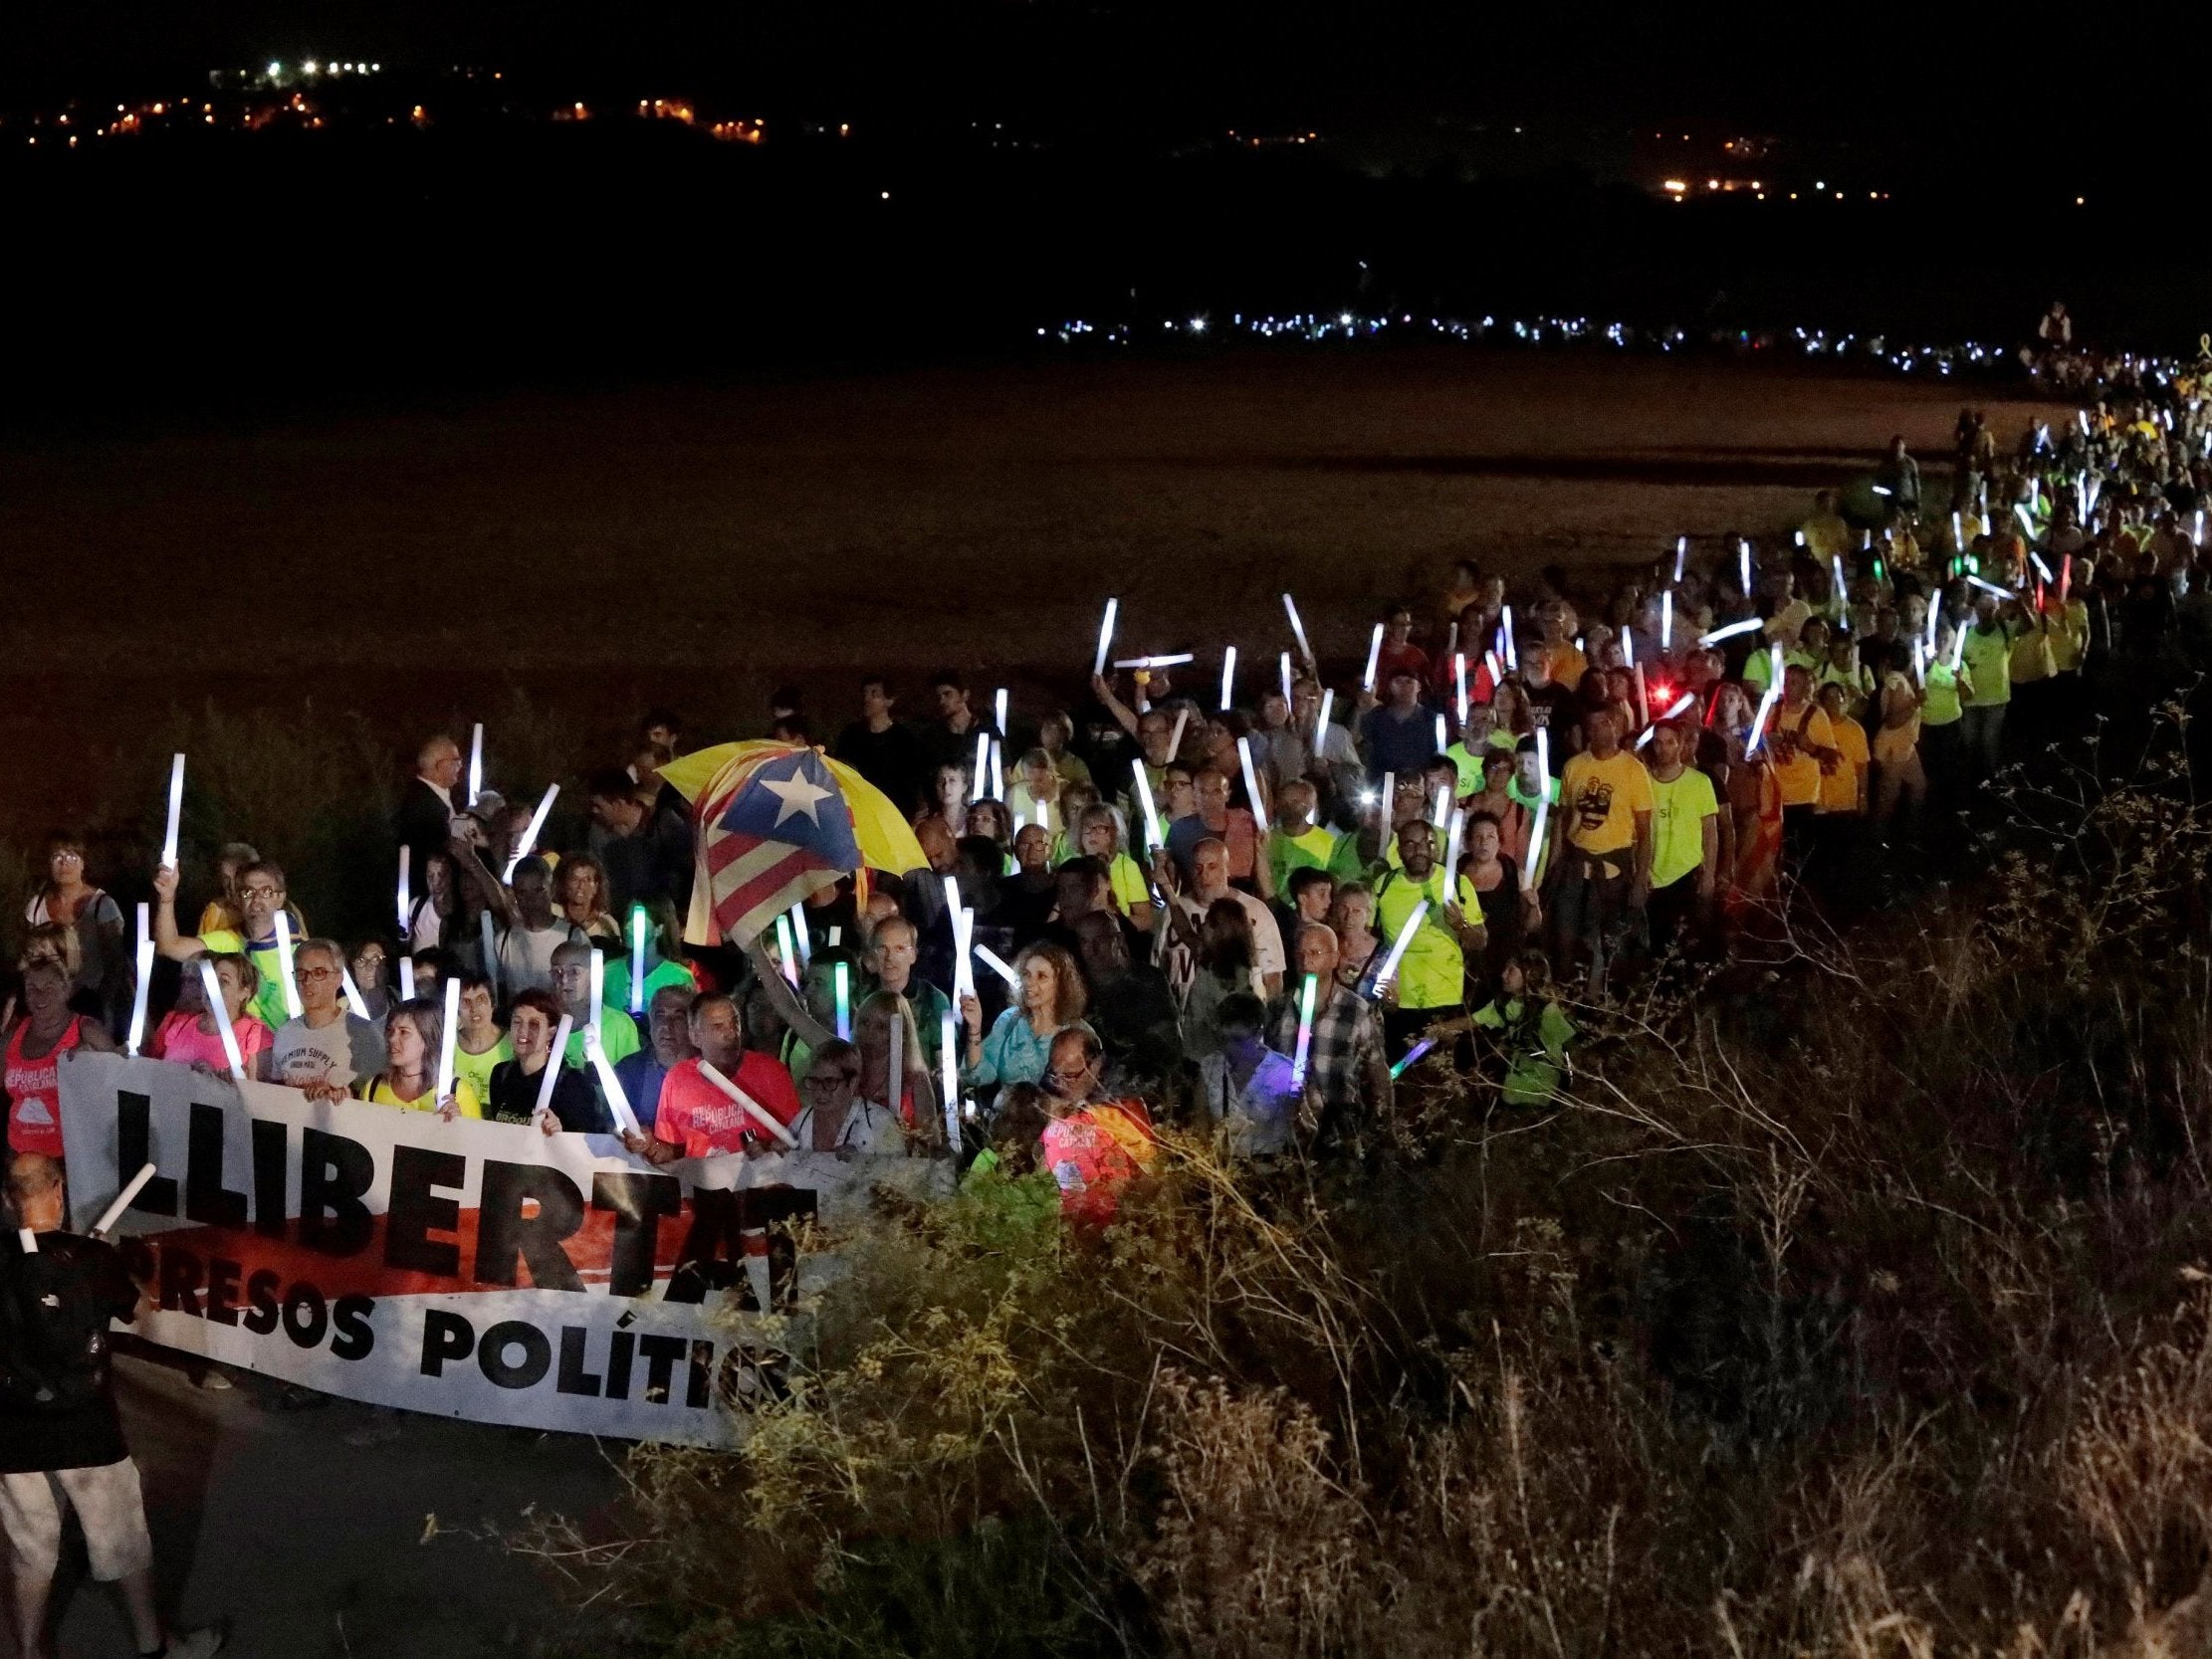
(54,1356)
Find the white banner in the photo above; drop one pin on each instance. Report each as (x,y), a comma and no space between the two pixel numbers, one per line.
(470,1268)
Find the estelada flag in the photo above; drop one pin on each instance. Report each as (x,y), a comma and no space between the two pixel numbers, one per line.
(774,828)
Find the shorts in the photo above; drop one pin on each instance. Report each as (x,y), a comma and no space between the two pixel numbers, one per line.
(110,1507)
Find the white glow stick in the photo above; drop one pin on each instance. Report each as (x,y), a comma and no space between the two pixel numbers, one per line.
(1920,663)
(1390,805)
(1451,851)
(1459,682)
(553,1059)
(637,958)
(844,1001)
(1251,784)
(800,936)
(1321,723)
(1744,565)
(1297,627)
(998,706)
(449,1037)
(1991,587)
(1440,805)
(1958,645)
(2026,521)
(491,959)
(1749,624)
(762,1114)
(354,998)
(611,1086)
(1374,657)
(213,989)
(1444,733)
(1766,702)
(1628,648)
(598,988)
(1228,677)
(1305,1033)
(997,775)
(787,953)
(1497,673)
(1145,804)
(1535,858)
(1651,730)
(964,980)
(406,899)
(950,1066)
(1958,534)
(981,784)
(1934,614)
(1175,660)
(1843,589)
(476,762)
(1175,738)
(123,1200)
(530,835)
(145,975)
(999,965)
(2042,569)
(1667,620)
(284,965)
(1643,698)
(1285,663)
(1105,637)
(1505,635)
(1405,938)
(177,813)
(1543,750)
(1682,552)
(407,978)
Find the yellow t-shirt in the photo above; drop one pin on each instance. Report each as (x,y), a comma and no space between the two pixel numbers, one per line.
(1598,801)
(1839,788)
(464,1093)
(2070,637)
(476,1069)
(1434,971)
(1129,883)
(1796,773)
(1678,813)
(1568,664)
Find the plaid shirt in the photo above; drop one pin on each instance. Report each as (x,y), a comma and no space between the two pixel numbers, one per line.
(1347,1047)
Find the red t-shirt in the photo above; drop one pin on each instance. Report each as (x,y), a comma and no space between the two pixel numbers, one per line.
(1096,1151)
(35,1091)
(701,1119)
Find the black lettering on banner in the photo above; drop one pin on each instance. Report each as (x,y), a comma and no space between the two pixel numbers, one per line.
(206,1199)
(573,1378)
(661,1354)
(620,1354)
(702,1372)
(334,1173)
(491,1355)
(415,1212)
(445,1336)
(711,1254)
(222,1291)
(134,1151)
(272,1144)
(306,1314)
(503,1232)
(261,1300)
(353,1334)
(638,1202)
(180,1280)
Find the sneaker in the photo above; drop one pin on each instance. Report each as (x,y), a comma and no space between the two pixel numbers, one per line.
(202,1643)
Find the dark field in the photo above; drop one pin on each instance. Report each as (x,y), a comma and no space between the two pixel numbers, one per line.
(700,545)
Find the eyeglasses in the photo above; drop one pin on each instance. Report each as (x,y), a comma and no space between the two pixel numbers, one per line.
(276,893)
(313,973)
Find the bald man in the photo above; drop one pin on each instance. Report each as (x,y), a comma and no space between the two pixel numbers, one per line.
(424,821)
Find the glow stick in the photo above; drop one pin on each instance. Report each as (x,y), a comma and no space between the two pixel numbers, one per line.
(1643,699)
(1305,1033)
(1934,611)
(1297,627)
(1251,783)
(1748,625)
(1628,648)
(2042,569)
(949,1064)
(491,961)
(530,835)
(1228,677)
(1287,676)
(1415,1053)
(145,974)
(1459,682)
(1652,730)
(1958,645)
(1405,938)
(845,1003)
(1920,663)
(1667,620)
(1883,489)
(407,978)
(1958,534)
(1843,591)
(406,901)
(1744,565)
(1543,750)
(284,965)
(998,783)
(598,988)
(451,1036)
(766,1117)
(1440,805)
(1498,674)
(999,706)
(1536,840)
(123,1200)
(2026,521)
(787,953)
(1374,658)
(637,960)
(354,998)
(1174,738)
(1452,850)
(1682,552)
(1991,587)
(610,1084)
(983,764)
(1797,537)
(2197,534)
(1505,631)
(1390,805)
(802,939)
(1321,723)
(213,987)
(177,813)
(2065,577)
(1444,733)
(476,762)
(1143,801)
(1767,700)
(963,981)
(1105,637)
(1176,660)
(999,965)
(553,1059)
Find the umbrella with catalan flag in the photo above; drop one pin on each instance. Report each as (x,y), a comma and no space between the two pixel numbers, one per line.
(776,823)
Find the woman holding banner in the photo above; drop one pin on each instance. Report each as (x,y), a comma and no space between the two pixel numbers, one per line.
(413,1034)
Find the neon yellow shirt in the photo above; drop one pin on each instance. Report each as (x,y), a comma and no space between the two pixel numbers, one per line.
(464,1094)
(1434,971)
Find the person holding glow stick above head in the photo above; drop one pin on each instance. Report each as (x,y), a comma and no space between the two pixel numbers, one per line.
(571,1102)
(534,931)
(1399,735)
(35,1047)
(414,1035)
(327,1049)
(1398,651)
(1187,910)
(261,894)
(1213,818)
(190,1035)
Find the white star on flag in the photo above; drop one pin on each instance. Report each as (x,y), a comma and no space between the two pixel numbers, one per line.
(798,796)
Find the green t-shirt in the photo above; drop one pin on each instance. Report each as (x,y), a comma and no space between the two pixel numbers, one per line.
(617,1035)
(1434,971)
(1678,813)
(268,1000)
(1535,1059)
(1989,664)
(1316,848)
(1939,705)
(1129,883)
(477,1068)
(616,990)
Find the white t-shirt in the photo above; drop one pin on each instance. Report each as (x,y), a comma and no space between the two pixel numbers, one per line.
(1268,953)
(526,956)
(346,1050)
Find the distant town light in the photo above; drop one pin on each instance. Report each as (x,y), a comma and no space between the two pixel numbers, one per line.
(309,66)
(275,70)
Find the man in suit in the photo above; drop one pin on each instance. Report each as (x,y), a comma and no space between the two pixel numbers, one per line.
(424,821)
